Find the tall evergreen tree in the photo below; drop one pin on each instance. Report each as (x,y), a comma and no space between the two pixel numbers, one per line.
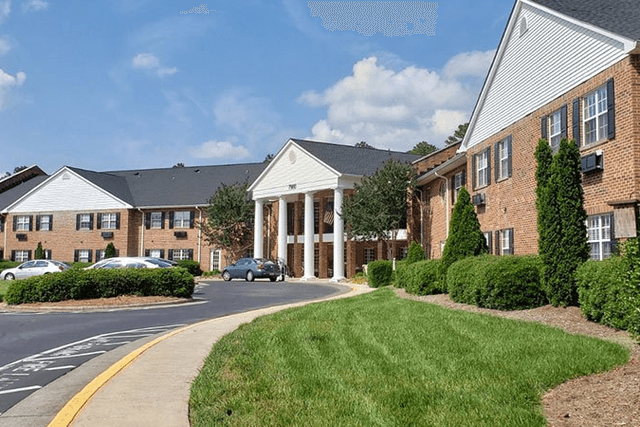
(465,237)
(569,247)
(39,252)
(110,251)
(546,205)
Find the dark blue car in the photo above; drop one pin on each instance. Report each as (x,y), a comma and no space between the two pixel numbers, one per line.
(251,268)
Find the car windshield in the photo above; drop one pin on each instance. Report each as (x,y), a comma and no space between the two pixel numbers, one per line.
(158,262)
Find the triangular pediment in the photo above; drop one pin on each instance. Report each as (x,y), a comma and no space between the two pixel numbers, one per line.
(542,55)
(67,191)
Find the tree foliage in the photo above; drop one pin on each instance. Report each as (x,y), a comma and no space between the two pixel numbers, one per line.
(110,251)
(39,252)
(379,205)
(415,253)
(458,135)
(268,158)
(229,224)
(423,148)
(465,237)
(363,144)
(561,221)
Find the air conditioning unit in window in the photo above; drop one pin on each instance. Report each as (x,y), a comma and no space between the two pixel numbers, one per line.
(180,234)
(107,234)
(21,237)
(479,199)
(592,162)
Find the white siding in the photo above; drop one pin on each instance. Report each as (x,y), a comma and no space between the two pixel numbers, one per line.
(66,191)
(306,173)
(552,57)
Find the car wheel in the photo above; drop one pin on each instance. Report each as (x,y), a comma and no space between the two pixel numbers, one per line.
(273,279)
(226,276)
(249,276)
(9,276)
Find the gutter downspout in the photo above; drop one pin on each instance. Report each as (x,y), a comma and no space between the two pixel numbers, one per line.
(200,235)
(446,212)
(141,250)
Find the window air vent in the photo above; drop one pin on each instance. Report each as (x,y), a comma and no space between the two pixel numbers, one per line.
(107,234)
(593,162)
(21,237)
(180,234)
(479,199)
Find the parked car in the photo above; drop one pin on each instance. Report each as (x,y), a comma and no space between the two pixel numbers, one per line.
(251,268)
(36,267)
(130,262)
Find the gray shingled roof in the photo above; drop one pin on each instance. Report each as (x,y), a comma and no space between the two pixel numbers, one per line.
(618,16)
(14,193)
(351,160)
(187,186)
(111,183)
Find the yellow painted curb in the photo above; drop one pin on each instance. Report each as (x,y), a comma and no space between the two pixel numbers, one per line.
(77,402)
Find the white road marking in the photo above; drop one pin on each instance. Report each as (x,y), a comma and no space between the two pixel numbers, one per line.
(91,353)
(59,368)
(18,390)
(117,343)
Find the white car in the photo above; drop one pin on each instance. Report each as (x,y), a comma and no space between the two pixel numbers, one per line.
(36,267)
(130,262)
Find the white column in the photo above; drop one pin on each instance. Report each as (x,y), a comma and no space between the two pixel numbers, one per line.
(282,228)
(338,236)
(308,236)
(257,230)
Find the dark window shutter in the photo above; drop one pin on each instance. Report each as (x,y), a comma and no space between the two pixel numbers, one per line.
(191,217)
(47,254)
(38,223)
(496,159)
(117,252)
(488,151)
(190,254)
(490,242)
(161,253)
(2,224)
(98,221)
(453,189)
(78,222)
(543,127)
(511,251)
(147,252)
(473,170)
(50,222)
(147,220)
(563,121)
(170,254)
(90,221)
(117,220)
(30,222)
(464,178)
(15,223)
(29,255)
(170,219)
(75,255)
(611,109)
(90,255)
(510,154)
(576,121)
(162,220)
(497,243)
(13,255)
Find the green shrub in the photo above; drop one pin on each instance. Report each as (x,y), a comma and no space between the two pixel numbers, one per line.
(423,278)
(415,253)
(399,280)
(193,267)
(499,282)
(4,264)
(214,272)
(380,273)
(78,265)
(86,284)
(110,251)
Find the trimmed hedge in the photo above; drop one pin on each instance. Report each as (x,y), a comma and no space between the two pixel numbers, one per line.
(4,264)
(87,284)
(415,253)
(423,278)
(380,273)
(193,267)
(499,282)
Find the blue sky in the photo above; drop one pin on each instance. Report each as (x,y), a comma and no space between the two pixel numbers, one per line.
(129,84)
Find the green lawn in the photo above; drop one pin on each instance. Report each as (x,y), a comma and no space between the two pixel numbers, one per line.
(378,360)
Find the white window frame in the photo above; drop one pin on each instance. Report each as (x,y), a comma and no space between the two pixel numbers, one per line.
(181,219)
(99,254)
(85,221)
(487,238)
(180,254)
(505,240)
(83,255)
(23,222)
(155,253)
(503,159)
(108,221)
(215,259)
(457,185)
(595,118)
(555,131)
(482,169)
(156,220)
(599,236)
(21,256)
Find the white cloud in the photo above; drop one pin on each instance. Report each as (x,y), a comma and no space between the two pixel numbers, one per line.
(475,64)
(5,46)
(219,149)
(149,61)
(5,9)
(35,5)
(7,85)
(391,109)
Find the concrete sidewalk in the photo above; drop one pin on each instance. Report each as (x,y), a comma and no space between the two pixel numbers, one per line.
(150,385)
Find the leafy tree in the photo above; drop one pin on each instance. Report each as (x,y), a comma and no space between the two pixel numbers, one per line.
(110,251)
(363,144)
(269,157)
(567,247)
(458,135)
(415,253)
(230,215)
(465,237)
(378,207)
(423,148)
(179,165)
(39,252)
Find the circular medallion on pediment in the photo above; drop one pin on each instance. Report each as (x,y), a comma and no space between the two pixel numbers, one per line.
(292,156)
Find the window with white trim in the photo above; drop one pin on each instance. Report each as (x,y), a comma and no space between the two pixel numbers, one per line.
(487,237)
(84,221)
(458,182)
(155,253)
(100,254)
(23,223)
(482,169)
(21,256)
(180,254)
(108,221)
(215,259)
(555,131)
(505,242)
(503,154)
(182,219)
(594,116)
(369,255)
(599,236)
(156,220)
(84,255)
